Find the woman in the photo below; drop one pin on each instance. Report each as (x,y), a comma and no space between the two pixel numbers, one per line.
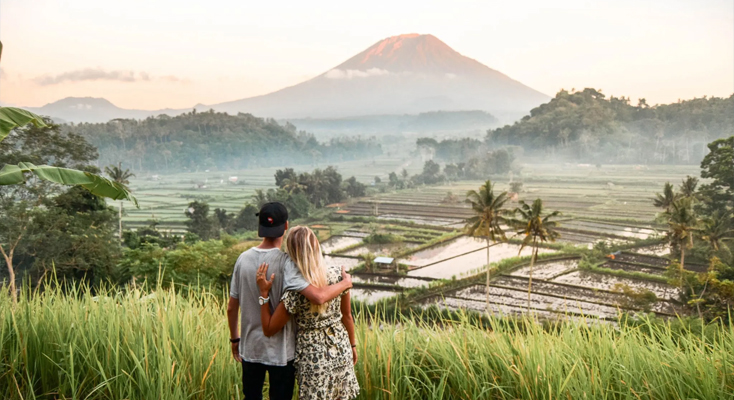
(324,359)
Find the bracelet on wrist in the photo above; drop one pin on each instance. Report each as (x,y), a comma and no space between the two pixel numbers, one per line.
(233,341)
(354,346)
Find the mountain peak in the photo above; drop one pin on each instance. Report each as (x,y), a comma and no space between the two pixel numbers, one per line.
(412,52)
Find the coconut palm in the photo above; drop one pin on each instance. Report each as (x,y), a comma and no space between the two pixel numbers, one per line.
(716,228)
(665,200)
(688,187)
(259,198)
(682,222)
(489,214)
(536,227)
(116,173)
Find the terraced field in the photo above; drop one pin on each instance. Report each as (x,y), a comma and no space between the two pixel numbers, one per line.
(560,289)
(593,198)
(165,197)
(611,204)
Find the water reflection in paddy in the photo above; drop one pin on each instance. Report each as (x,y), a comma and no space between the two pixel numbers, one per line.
(389,280)
(519,299)
(547,270)
(608,282)
(380,249)
(461,245)
(370,296)
(346,262)
(470,262)
(338,242)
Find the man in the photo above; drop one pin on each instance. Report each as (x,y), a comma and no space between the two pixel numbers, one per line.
(256,352)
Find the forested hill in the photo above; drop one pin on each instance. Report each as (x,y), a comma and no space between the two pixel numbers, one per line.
(202,140)
(587,126)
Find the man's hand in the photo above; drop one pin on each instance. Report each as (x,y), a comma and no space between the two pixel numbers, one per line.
(262,280)
(236,352)
(346,277)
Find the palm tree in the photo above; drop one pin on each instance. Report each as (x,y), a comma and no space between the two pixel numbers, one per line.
(488,215)
(716,228)
(116,173)
(666,199)
(682,222)
(259,198)
(537,227)
(688,187)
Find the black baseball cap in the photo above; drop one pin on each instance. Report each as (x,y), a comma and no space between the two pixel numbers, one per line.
(272,219)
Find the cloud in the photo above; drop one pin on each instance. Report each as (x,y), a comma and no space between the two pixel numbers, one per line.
(92,74)
(174,79)
(355,73)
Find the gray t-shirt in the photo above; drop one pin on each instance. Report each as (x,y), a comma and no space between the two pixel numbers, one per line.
(254,345)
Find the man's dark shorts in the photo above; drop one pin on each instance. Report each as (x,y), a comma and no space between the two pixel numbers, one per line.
(282,380)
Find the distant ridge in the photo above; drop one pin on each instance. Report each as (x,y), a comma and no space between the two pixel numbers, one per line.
(94,109)
(404,74)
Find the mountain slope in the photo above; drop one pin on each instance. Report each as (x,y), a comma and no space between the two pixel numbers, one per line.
(94,109)
(406,74)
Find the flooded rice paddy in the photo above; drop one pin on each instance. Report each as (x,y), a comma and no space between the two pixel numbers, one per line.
(547,269)
(380,249)
(452,248)
(519,299)
(471,262)
(610,229)
(608,282)
(497,309)
(346,262)
(391,280)
(576,292)
(660,250)
(371,296)
(335,243)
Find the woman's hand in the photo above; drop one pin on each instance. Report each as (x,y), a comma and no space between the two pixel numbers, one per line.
(262,280)
(354,355)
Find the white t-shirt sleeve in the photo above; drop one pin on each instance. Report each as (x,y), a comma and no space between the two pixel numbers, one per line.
(234,287)
(293,280)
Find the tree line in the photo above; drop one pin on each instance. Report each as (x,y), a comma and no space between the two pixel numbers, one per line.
(300,193)
(700,220)
(206,140)
(587,126)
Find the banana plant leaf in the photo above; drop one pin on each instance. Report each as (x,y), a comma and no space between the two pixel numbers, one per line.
(15,174)
(11,118)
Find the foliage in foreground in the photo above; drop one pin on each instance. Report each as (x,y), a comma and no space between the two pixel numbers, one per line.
(168,345)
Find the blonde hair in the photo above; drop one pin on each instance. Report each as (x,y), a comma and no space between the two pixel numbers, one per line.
(304,249)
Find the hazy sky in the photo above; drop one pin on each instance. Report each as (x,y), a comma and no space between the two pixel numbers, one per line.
(154,54)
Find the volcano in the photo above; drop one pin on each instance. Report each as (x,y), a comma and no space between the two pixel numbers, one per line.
(401,75)
(406,74)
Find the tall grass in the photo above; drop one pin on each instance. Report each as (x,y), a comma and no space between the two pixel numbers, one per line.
(173,345)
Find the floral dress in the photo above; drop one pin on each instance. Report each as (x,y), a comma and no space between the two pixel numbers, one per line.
(323,353)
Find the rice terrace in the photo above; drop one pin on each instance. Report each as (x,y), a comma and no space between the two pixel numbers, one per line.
(281,201)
